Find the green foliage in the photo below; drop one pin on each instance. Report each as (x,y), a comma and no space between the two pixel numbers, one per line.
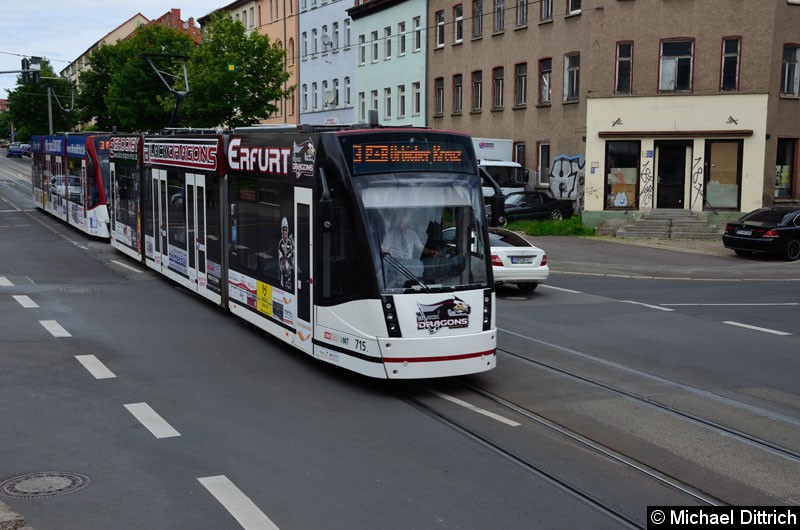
(28,104)
(566,227)
(220,96)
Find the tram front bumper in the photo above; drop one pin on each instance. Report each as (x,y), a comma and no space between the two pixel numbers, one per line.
(419,358)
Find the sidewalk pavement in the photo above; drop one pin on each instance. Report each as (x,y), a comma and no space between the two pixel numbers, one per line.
(9,520)
(689,259)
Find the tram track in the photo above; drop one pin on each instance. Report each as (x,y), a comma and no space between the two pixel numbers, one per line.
(539,471)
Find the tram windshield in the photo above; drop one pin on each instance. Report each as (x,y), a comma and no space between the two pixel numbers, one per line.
(425,230)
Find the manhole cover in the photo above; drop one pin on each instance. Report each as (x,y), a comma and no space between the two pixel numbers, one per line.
(79,289)
(43,484)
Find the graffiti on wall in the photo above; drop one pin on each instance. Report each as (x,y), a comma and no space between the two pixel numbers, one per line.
(646,191)
(697,180)
(567,178)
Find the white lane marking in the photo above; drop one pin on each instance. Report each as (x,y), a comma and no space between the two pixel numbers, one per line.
(25,301)
(647,305)
(560,289)
(476,409)
(126,266)
(756,328)
(742,304)
(150,419)
(237,503)
(55,328)
(5,282)
(95,367)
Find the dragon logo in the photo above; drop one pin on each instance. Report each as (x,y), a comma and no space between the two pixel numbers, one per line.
(452,313)
(304,155)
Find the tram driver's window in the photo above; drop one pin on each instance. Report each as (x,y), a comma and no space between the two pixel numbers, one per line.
(342,267)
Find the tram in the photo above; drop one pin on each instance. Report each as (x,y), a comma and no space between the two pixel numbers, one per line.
(364,248)
(70,176)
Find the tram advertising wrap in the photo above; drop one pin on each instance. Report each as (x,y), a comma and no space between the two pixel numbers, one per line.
(364,248)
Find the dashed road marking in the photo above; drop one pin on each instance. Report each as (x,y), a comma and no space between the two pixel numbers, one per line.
(5,282)
(25,301)
(237,503)
(647,305)
(95,367)
(55,328)
(476,409)
(756,328)
(150,419)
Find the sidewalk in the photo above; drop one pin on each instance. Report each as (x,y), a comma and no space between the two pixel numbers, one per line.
(688,259)
(10,520)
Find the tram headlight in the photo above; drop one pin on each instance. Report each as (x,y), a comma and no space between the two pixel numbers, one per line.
(487,309)
(390,317)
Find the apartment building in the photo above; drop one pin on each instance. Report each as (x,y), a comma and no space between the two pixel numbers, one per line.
(327,62)
(628,105)
(390,60)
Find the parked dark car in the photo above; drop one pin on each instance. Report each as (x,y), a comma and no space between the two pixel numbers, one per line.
(536,205)
(766,231)
(14,149)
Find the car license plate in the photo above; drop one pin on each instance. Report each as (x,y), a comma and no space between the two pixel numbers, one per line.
(521,259)
(744,232)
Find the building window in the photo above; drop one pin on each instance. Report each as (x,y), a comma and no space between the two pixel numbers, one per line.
(347,91)
(622,174)
(325,94)
(401,38)
(304,97)
(335,38)
(387,103)
(346,32)
(313,96)
(438,102)
(401,101)
(676,66)
(416,99)
(458,23)
(789,71)
(304,40)
(458,93)
(572,77)
(374,46)
(291,52)
(335,102)
(362,107)
(477,18)
(723,173)
(417,28)
(522,13)
(439,28)
(784,168)
(373,100)
(545,10)
(573,7)
(499,16)
(731,51)
(477,90)
(545,76)
(497,88)
(520,84)
(314,41)
(362,50)
(519,154)
(624,68)
(387,43)
(543,163)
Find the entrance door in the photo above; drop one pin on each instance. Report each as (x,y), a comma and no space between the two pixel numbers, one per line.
(303,266)
(197,236)
(671,163)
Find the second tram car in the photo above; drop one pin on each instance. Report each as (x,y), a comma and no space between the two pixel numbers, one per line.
(70,176)
(329,238)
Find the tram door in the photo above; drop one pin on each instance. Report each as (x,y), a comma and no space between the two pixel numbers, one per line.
(303,265)
(158,228)
(197,227)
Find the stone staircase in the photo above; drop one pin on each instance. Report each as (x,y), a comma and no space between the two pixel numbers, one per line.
(669,224)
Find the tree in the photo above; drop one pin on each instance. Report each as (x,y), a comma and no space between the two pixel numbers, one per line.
(137,99)
(234,77)
(93,83)
(27,104)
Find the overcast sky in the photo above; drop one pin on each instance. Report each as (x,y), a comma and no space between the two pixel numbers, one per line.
(62,30)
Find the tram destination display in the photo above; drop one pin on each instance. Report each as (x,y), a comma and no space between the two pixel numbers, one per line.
(409,155)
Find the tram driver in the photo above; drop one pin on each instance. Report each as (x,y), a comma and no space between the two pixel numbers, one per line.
(402,242)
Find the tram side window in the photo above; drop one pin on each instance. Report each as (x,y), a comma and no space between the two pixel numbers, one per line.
(94,189)
(73,190)
(258,207)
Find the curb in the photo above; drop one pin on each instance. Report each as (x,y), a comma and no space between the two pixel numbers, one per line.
(10,520)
